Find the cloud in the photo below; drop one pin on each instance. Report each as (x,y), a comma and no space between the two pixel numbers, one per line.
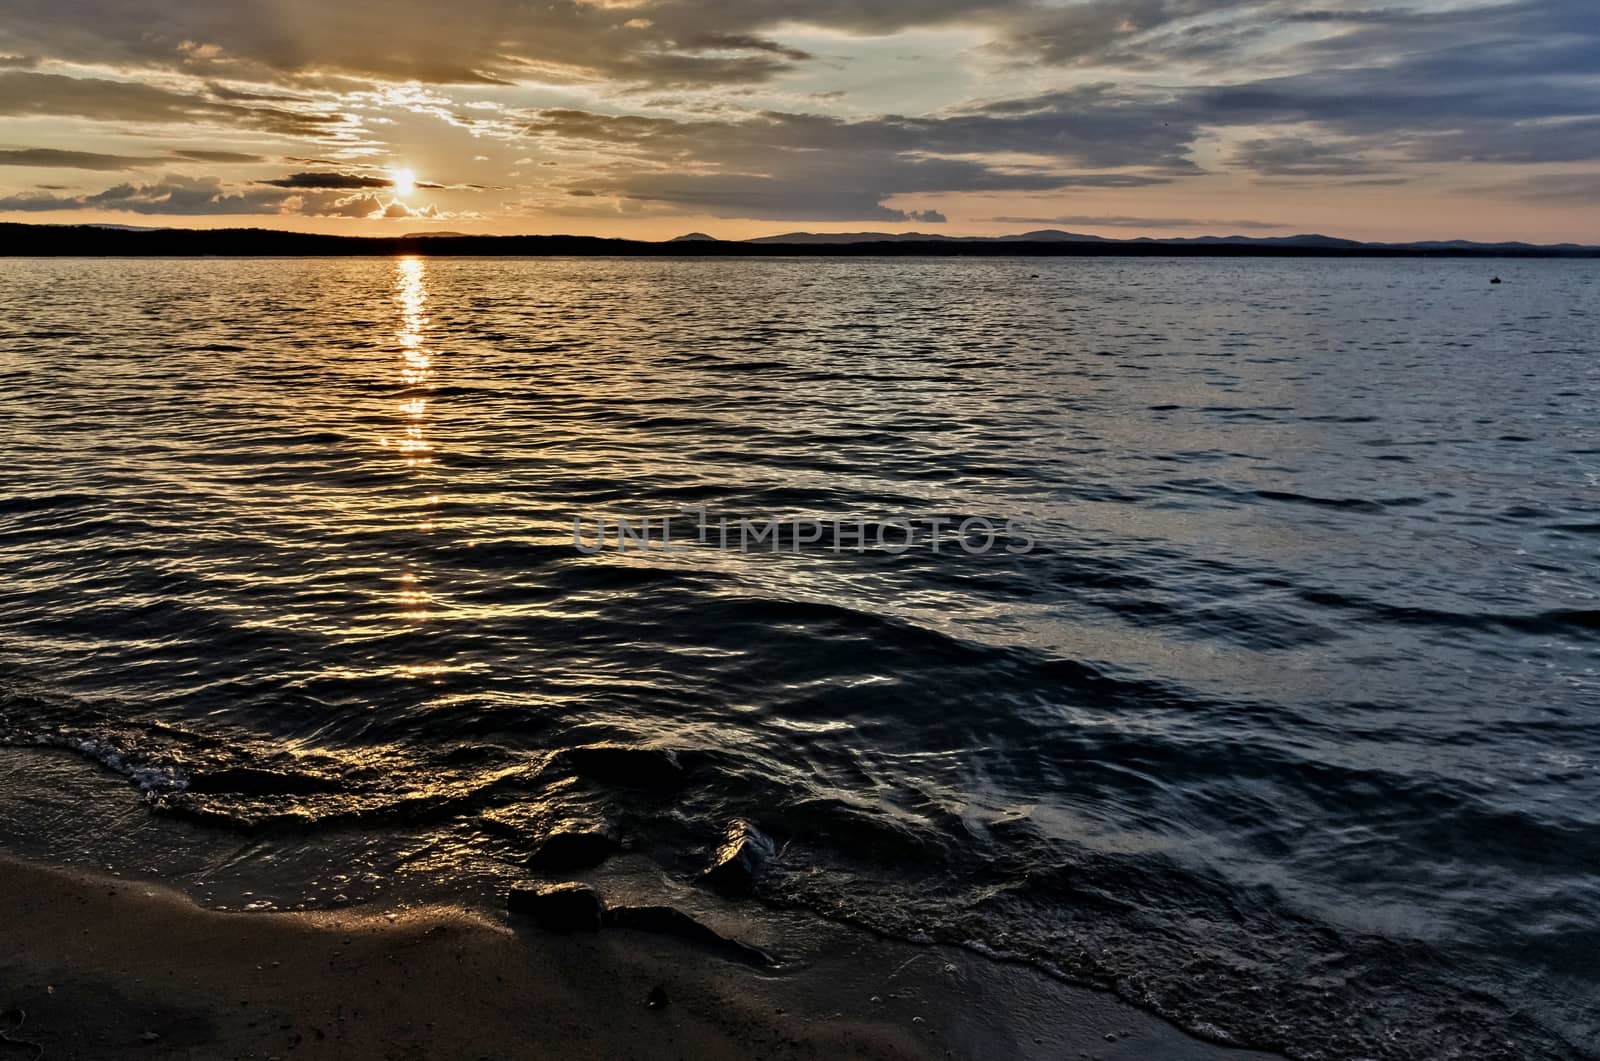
(370,206)
(192,196)
(30,94)
(344,181)
(170,195)
(58,159)
(349,181)
(481,42)
(397,209)
(786,166)
(55,158)
(1299,156)
(239,157)
(1123,93)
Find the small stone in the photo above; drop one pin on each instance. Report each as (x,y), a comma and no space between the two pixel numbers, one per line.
(573,845)
(1111,1037)
(657,998)
(149,1037)
(566,907)
(740,861)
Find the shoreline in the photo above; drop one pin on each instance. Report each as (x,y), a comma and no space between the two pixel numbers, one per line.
(104,966)
(104,947)
(67,241)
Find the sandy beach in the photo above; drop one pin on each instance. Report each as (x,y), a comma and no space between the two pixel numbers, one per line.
(95,966)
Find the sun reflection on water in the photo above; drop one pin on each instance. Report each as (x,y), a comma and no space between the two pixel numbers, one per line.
(416,367)
(416,378)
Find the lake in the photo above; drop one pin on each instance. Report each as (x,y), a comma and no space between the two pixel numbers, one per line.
(1276,709)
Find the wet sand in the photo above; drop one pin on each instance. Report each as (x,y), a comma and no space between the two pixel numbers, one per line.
(105,967)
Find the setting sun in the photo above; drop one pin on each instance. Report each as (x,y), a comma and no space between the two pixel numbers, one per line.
(405,182)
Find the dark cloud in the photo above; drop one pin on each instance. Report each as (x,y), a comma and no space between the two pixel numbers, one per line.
(1123,32)
(57,159)
(238,95)
(170,195)
(1298,156)
(193,196)
(744,42)
(338,181)
(218,156)
(1514,82)
(344,181)
(29,94)
(781,166)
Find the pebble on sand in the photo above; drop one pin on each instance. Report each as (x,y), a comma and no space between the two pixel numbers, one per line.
(566,907)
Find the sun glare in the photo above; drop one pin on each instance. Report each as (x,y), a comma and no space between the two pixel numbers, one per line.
(405,182)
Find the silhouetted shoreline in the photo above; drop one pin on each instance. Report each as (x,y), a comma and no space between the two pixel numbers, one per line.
(21,240)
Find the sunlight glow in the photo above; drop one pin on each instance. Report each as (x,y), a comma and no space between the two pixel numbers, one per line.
(405,182)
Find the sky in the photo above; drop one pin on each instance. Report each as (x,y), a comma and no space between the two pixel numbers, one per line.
(1384,120)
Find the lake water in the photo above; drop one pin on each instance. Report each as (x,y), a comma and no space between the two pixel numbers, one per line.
(1286,724)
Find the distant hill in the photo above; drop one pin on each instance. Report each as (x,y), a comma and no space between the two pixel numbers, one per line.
(693,237)
(18,240)
(853,237)
(1049,235)
(1304,241)
(1055,235)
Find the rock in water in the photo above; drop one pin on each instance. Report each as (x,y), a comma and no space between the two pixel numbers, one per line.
(566,907)
(739,862)
(573,845)
(657,998)
(1496,280)
(629,767)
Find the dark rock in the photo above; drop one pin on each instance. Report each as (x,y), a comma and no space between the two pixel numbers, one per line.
(1496,280)
(566,907)
(573,845)
(251,781)
(657,998)
(878,838)
(618,764)
(739,862)
(669,921)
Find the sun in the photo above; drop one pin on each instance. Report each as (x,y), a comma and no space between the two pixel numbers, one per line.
(405,182)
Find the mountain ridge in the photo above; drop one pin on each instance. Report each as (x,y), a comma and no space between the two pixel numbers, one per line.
(25,240)
(1054,235)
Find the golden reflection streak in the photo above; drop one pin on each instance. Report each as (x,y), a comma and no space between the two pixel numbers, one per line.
(416,368)
(416,374)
